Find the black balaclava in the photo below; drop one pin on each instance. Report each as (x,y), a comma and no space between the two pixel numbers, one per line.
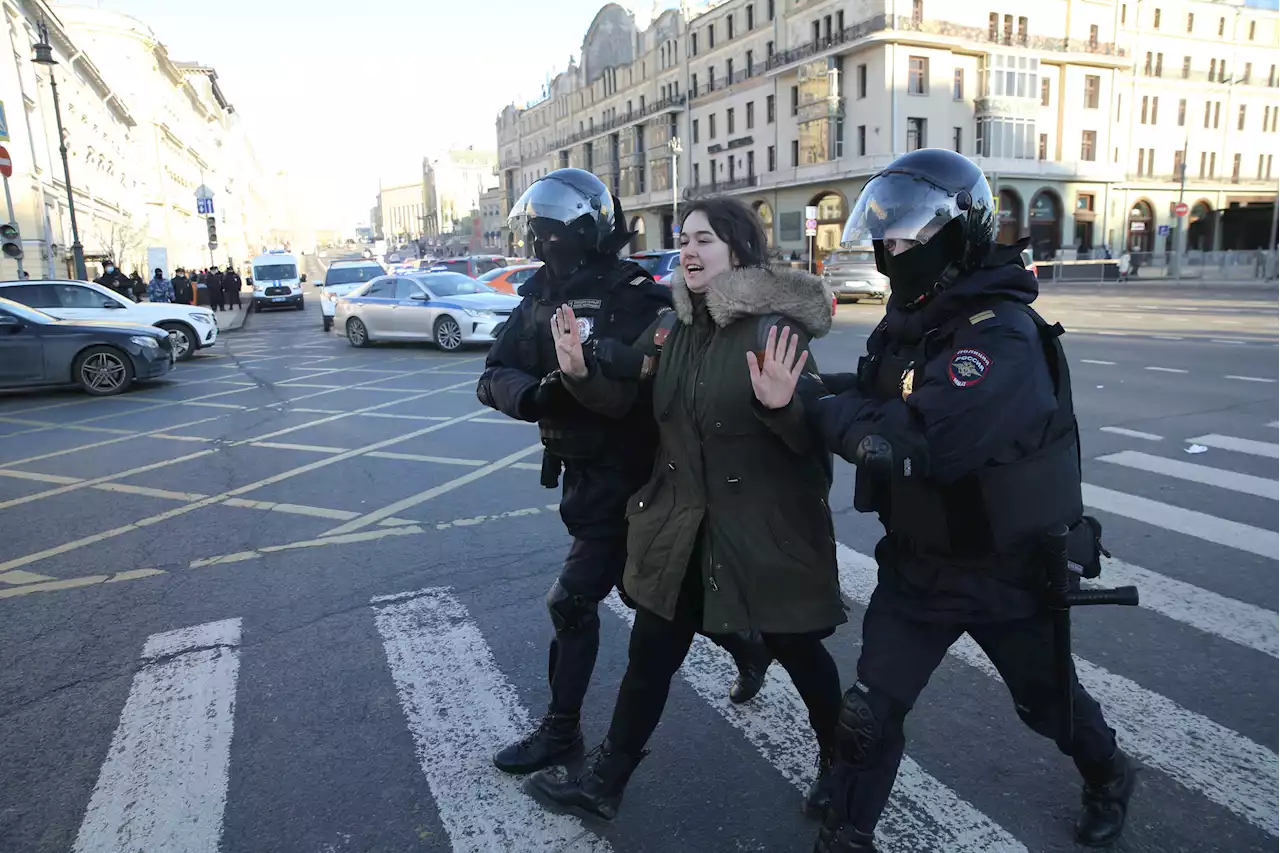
(914,273)
(570,249)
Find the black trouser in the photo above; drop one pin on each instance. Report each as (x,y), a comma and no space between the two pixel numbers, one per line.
(591,570)
(658,647)
(215,294)
(899,654)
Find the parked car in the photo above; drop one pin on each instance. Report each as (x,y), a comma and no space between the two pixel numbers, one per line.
(852,274)
(341,278)
(276,282)
(472,265)
(659,264)
(191,327)
(446,308)
(508,279)
(101,356)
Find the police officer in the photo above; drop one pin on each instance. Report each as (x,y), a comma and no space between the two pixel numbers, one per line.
(113,278)
(961,423)
(576,227)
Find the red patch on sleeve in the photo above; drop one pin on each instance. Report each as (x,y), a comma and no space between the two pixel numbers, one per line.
(660,336)
(968,367)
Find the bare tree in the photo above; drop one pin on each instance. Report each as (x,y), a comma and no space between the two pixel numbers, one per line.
(122,241)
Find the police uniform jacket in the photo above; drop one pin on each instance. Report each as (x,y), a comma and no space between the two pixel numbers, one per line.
(605,456)
(742,487)
(965,390)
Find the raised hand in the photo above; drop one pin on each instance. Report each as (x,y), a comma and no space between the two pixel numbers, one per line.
(564,330)
(774,375)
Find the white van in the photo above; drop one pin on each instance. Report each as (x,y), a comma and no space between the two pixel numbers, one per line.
(276,281)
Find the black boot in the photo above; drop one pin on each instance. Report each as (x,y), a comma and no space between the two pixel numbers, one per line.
(837,837)
(594,793)
(1104,800)
(557,739)
(818,797)
(752,657)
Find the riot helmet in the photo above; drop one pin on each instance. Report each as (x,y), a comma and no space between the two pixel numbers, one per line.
(568,216)
(929,216)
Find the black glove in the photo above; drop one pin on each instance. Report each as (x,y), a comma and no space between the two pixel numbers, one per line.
(810,388)
(616,359)
(551,397)
(838,383)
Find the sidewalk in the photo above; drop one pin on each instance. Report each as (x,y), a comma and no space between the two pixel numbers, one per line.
(1223,285)
(232,320)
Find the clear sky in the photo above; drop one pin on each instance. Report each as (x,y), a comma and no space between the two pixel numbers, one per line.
(343,93)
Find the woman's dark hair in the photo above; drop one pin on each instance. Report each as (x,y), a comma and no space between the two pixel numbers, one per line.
(735,224)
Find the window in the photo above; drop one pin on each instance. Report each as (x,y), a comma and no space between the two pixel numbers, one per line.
(1213,69)
(711,78)
(1159,64)
(862,140)
(1022,31)
(1143,119)
(711,126)
(917,12)
(1155,109)
(1156,20)
(772,157)
(693,85)
(1093,36)
(729,22)
(862,81)
(693,44)
(1203,158)
(1213,162)
(1208,112)
(697,176)
(768,50)
(957,85)
(795,153)
(915,134)
(751,17)
(1092,90)
(711,36)
(839,138)
(728,121)
(769,111)
(751,115)
(381,288)
(1186,67)
(957,137)
(1149,64)
(1191,21)
(917,75)
(1124,12)
(1089,145)
(751,63)
(1235,169)
(1248,72)
(1253,31)
(993,27)
(1271,78)
(1182,112)
(1240,121)
(1044,91)
(728,72)
(1042,152)
(795,99)
(406,288)
(1222,28)
(1217,113)
(43,295)
(1006,137)
(770,9)
(1178,163)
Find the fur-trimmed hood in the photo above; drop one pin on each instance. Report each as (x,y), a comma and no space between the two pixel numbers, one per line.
(757,291)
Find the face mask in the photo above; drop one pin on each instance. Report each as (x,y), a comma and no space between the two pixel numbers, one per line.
(111,269)
(562,257)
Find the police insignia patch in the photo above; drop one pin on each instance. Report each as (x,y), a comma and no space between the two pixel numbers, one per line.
(660,336)
(968,367)
(584,328)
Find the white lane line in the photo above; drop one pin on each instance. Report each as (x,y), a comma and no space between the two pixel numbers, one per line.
(16,462)
(37,477)
(1232,620)
(507,421)
(1167,369)
(1188,522)
(293,509)
(1274,424)
(460,708)
(378,515)
(1218,341)
(21,577)
(1203,755)
(417,457)
(167,437)
(163,785)
(307,448)
(1097,361)
(922,814)
(404,417)
(528,466)
(1167,337)
(148,492)
(84,484)
(1271,450)
(1131,433)
(1250,378)
(1244,483)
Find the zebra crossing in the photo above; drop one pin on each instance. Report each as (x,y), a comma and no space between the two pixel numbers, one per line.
(166,777)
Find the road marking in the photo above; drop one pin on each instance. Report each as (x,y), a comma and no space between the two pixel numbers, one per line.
(19,576)
(1188,522)
(777,725)
(37,477)
(1244,483)
(163,785)
(1274,424)
(292,384)
(528,466)
(1097,361)
(439,460)
(1239,445)
(168,437)
(309,448)
(434,492)
(16,462)
(1217,341)
(293,509)
(460,708)
(148,492)
(1202,755)
(507,421)
(84,484)
(45,426)
(315,411)
(1167,337)
(1167,369)
(1131,433)
(1250,378)
(404,417)
(1232,620)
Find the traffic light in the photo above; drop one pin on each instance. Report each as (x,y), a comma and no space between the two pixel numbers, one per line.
(213,231)
(10,240)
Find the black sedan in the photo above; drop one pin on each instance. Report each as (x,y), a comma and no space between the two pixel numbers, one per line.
(100,356)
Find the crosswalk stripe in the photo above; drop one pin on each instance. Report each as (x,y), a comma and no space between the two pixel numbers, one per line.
(1244,483)
(1271,450)
(1131,433)
(1250,626)
(1197,752)
(924,814)
(163,785)
(460,708)
(1210,528)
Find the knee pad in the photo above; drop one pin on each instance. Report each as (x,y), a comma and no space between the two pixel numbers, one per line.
(571,612)
(867,720)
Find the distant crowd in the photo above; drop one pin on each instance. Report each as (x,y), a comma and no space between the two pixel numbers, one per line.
(209,287)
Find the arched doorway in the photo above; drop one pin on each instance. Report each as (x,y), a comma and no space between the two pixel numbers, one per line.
(832,210)
(765,212)
(1200,227)
(637,234)
(1010,218)
(1141,237)
(1046,225)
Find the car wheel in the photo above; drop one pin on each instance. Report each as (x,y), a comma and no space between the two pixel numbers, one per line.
(448,334)
(328,323)
(102,371)
(300,306)
(183,338)
(357,334)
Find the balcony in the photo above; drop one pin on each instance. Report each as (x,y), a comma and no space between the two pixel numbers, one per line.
(721,83)
(1197,180)
(621,121)
(1003,106)
(721,187)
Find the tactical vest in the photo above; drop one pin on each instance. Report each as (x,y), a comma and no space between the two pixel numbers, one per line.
(1003,506)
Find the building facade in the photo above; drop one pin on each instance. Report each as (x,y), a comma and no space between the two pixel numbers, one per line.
(453,183)
(796,103)
(492,220)
(403,211)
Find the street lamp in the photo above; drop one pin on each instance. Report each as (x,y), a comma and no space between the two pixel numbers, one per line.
(44,56)
(676,151)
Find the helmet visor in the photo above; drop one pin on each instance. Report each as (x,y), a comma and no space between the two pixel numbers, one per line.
(555,200)
(898,206)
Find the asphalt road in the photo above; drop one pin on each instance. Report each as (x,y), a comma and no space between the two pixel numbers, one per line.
(291,599)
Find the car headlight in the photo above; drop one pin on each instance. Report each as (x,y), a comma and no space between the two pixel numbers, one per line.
(478,313)
(144,341)
(207,319)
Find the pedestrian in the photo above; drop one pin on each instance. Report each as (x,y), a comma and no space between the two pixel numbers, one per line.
(160,289)
(183,292)
(604,459)
(231,286)
(763,559)
(26,276)
(965,398)
(116,280)
(217,293)
(137,287)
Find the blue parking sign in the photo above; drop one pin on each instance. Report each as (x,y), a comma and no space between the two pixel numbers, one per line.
(1162,231)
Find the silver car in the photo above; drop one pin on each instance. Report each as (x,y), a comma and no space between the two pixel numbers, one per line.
(447,308)
(852,274)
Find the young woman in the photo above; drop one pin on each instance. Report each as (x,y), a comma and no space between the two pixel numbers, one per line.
(732,531)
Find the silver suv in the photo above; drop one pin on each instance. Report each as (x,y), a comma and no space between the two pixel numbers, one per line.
(852,274)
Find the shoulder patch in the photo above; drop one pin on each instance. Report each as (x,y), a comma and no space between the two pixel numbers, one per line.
(968,367)
(980,316)
(639,280)
(660,336)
